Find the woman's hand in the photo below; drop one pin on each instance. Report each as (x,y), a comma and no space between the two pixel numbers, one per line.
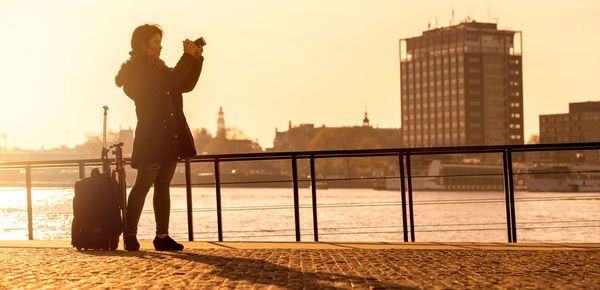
(190,47)
(199,52)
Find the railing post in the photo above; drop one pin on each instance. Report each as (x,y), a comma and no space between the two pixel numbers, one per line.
(81,170)
(218,188)
(507,195)
(403,194)
(512,194)
(29,203)
(188,195)
(314,197)
(296,207)
(410,198)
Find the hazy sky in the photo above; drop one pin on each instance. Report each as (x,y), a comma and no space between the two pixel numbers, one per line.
(267,61)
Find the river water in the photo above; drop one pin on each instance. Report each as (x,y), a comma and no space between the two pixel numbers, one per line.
(267,214)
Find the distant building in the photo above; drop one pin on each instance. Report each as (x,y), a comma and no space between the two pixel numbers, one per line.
(221,144)
(303,136)
(126,137)
(579,125)
(221,130)
(462,85)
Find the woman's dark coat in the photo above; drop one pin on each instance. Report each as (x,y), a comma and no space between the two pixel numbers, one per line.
(162,132)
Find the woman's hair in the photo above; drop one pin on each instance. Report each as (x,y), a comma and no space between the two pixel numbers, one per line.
(142,34)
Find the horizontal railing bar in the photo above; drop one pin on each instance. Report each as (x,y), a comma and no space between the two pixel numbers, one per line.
(335,153)
(73,162)
(44,185)
(416,230)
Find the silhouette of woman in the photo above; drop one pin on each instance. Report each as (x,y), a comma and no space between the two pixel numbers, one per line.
(162,135)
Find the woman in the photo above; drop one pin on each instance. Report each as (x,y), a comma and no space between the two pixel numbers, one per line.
(162,135)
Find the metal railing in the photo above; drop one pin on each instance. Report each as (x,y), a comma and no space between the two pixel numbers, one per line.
(404,158)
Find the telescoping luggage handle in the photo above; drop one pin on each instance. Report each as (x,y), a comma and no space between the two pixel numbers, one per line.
(105,161)
(119,173)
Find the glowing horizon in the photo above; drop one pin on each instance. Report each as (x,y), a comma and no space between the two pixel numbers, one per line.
(267,61)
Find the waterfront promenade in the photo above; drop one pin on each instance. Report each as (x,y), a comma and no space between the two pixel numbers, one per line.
(276,265)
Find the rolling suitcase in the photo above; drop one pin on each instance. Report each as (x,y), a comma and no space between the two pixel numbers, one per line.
(96,211)
(99,203)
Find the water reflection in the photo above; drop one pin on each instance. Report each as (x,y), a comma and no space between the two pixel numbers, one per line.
(266,214)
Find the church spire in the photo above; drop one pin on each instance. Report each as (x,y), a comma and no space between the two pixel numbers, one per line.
(366,120)
(221,131)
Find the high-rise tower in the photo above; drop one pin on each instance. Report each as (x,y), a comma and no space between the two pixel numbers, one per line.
(462,85)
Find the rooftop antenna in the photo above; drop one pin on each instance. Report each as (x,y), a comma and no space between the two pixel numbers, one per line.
(469,13)
(452,3)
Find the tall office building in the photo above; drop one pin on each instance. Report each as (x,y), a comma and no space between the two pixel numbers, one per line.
(462,85)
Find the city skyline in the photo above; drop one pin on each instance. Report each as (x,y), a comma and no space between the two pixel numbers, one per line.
(305,61)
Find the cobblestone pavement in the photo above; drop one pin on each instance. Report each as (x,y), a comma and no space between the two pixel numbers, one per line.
(332,268)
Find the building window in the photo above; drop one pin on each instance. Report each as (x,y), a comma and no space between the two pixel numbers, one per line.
(515,115)
(515,137)
(515,104)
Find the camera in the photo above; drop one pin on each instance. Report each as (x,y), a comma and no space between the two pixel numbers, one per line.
(200,41)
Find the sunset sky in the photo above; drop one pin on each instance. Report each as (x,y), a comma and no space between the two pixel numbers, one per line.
(267,61)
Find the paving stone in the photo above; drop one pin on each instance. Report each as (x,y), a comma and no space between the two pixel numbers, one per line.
(299,268)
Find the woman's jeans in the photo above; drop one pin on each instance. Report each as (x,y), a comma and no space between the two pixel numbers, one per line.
(159,174)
